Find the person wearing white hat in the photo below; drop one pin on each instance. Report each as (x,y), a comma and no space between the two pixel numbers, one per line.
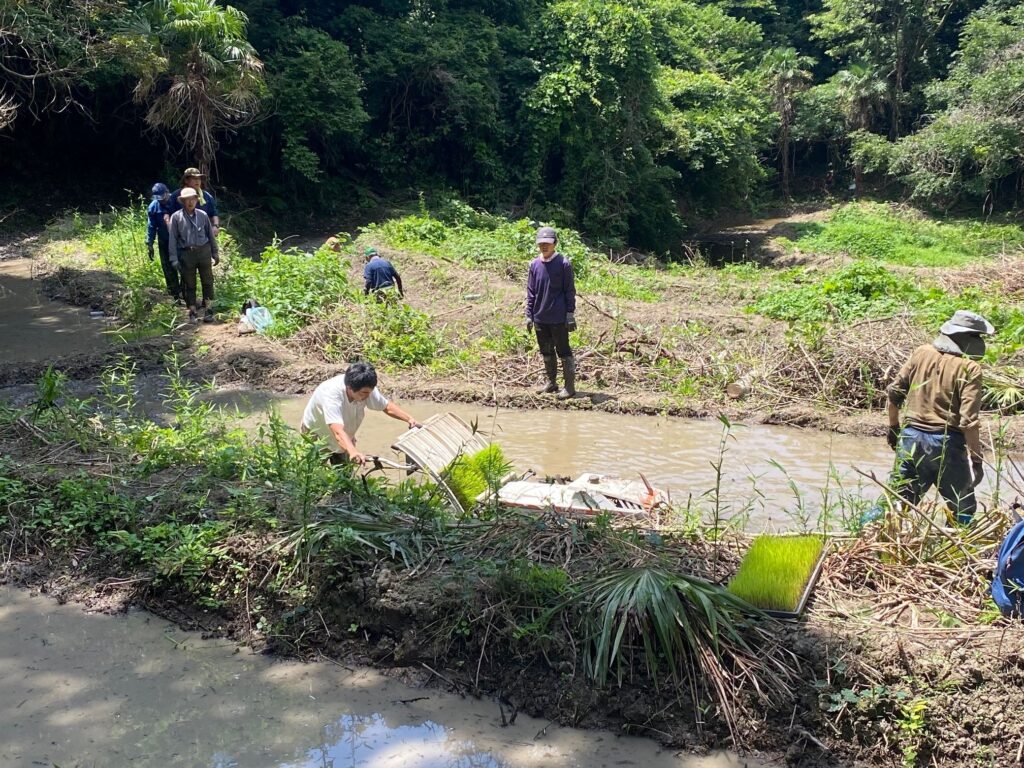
(193,248)
(938,441)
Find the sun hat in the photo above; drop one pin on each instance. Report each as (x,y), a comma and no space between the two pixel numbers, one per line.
(965,321)
(186,193)
(192,172)
(547,235)
(159,190)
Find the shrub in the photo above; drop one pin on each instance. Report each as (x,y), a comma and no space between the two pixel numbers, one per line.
(295,286)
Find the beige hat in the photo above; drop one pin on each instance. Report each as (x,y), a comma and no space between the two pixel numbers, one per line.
(186,193)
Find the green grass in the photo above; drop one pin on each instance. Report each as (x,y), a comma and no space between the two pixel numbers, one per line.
(896,236)
(295,286)
(775,571)
(455,231)
(857,290)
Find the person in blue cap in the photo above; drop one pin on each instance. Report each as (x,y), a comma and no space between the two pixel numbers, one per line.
(156,231)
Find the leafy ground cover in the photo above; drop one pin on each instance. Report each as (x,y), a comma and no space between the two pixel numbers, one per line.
(888,234)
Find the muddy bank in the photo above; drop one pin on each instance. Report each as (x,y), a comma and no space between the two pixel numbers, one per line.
(228,543)
(136,689)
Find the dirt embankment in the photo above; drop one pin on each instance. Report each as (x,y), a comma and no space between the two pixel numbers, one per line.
(883,673)
(886,676)
(676,356)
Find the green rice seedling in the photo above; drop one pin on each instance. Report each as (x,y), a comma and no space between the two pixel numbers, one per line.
(775,571)
(469,476)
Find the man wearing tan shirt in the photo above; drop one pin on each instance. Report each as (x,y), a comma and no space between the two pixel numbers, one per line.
(939,391)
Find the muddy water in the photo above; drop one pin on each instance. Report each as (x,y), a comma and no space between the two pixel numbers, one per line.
(768,472)
(44,328)
(93,690)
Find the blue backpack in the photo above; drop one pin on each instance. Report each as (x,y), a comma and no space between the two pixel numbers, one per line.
(1008,578)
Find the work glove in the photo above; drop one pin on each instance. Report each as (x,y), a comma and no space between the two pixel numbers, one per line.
(893,437)
(216,259)
(570,321)
(529,326)
(978,470)
(176,265)
(149,250)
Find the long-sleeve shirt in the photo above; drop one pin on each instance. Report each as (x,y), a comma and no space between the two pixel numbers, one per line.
(207,203)
(550,290)
(189,232)
(941,391)
(379,273)
(156,227)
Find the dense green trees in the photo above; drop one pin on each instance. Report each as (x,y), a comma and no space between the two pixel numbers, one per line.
(623,118)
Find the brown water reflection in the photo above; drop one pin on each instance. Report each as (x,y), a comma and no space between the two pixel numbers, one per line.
(44,328)
(773,474)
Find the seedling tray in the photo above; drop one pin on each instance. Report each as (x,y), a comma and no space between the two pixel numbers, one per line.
(805,596)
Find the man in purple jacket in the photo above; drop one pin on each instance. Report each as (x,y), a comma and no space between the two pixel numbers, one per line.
(551,312)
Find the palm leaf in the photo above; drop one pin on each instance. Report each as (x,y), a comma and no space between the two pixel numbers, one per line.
(704,637)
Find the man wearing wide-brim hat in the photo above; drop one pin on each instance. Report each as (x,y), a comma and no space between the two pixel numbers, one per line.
(193,177)
(193,248)
(939,439)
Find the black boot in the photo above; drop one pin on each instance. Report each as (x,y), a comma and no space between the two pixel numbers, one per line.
(569,374)
(551,371)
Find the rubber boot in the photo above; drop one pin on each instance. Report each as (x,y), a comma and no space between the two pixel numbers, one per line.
(551,370)
(569,374)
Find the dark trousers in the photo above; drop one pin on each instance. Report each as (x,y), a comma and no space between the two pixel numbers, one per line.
(553,338)
(171,275)
(192,260)
(936,458)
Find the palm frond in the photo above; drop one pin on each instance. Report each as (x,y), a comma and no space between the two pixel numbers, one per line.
(703,637)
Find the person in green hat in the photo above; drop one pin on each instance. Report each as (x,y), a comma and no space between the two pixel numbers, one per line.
(379,275)
(193,177)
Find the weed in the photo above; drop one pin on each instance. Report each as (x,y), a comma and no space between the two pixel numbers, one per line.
(883,233)
(912,725)
(295,286)
(510,339)
(858,290)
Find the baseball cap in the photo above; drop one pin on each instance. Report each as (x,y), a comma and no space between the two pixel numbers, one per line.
(159,190)
(547,235)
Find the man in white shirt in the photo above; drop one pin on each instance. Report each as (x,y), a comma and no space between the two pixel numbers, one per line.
(338,405)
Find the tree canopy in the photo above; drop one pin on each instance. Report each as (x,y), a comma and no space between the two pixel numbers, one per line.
(626,119)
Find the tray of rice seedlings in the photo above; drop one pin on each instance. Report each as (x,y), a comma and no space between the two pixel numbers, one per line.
(471,477)
(778,573)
